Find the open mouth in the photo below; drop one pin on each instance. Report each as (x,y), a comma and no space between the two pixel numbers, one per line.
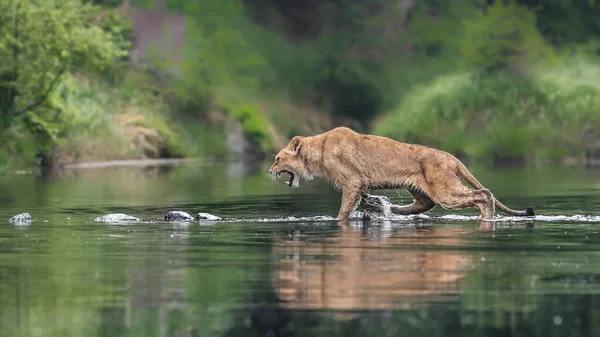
(290,174)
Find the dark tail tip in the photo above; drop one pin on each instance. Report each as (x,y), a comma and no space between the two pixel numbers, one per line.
(529,211)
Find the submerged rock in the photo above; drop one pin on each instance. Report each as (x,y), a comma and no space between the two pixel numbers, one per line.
(21,218)
(178,216)
(116,217)
(207,216)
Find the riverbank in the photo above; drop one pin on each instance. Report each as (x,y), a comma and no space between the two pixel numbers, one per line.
(207,102)
(493,118)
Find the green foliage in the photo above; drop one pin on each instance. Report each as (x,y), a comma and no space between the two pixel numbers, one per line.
(226,49)
(121,32)
(192,98)
(350,59)
(435,35)
(219,52)
(17,148)
(502,35)
(337,69)
(33,64)
(106,122)
(351,88)
(292,67)
(571,89)
(88,110)
(550,113)
(255,125)
(498,114)
(145,4)
(567,22)
(108,3)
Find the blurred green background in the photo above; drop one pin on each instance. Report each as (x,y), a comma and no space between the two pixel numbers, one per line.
(96,80)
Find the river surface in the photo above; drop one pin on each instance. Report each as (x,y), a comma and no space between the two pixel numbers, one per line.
(279,265)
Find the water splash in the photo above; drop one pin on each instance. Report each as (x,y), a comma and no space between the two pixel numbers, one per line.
(385,202)
(394,218)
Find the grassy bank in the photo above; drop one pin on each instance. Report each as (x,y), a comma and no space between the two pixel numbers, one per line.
(100,121)
(552,113)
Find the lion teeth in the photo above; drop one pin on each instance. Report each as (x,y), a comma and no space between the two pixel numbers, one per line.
(278,175)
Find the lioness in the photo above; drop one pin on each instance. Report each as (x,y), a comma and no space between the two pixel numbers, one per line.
(358,162)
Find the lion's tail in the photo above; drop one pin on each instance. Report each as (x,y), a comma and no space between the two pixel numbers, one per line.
(470,178)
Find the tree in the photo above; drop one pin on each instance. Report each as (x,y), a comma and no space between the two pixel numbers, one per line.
(502,35)
(41,40)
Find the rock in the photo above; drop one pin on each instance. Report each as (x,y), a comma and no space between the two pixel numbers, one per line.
(207,216)
(178,216)
(20,218)
(240,145)
(116,217)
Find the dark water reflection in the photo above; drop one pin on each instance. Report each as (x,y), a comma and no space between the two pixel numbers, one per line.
(65,275)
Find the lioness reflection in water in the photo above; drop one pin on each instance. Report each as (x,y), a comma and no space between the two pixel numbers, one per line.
(363,269)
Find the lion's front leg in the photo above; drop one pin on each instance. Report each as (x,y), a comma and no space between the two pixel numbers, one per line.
(350,199)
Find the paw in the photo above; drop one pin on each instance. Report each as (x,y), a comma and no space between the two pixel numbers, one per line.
(529,211)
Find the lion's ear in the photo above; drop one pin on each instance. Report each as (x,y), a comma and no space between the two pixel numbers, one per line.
(296,144)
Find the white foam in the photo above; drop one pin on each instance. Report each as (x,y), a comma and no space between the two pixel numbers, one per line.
(558,218)
(427,218)
(285,219)
(497,218)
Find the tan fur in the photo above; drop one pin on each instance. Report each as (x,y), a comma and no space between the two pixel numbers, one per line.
(358,163)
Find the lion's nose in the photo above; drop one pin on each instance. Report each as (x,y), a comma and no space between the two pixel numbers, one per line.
(271,171)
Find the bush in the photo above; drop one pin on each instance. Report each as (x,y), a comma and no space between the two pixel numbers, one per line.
(571,89)
(188,98)
(502,35)
(121,32)
(102,122)
(498,115)
(255,125)
(17,148)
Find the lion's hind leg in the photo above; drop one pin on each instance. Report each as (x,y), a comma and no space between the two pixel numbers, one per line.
(422,203)
(458,196)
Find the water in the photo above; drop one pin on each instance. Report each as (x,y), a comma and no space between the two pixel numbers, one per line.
(277,265)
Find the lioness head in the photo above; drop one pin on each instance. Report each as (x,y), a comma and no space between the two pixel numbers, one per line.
(289,161)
